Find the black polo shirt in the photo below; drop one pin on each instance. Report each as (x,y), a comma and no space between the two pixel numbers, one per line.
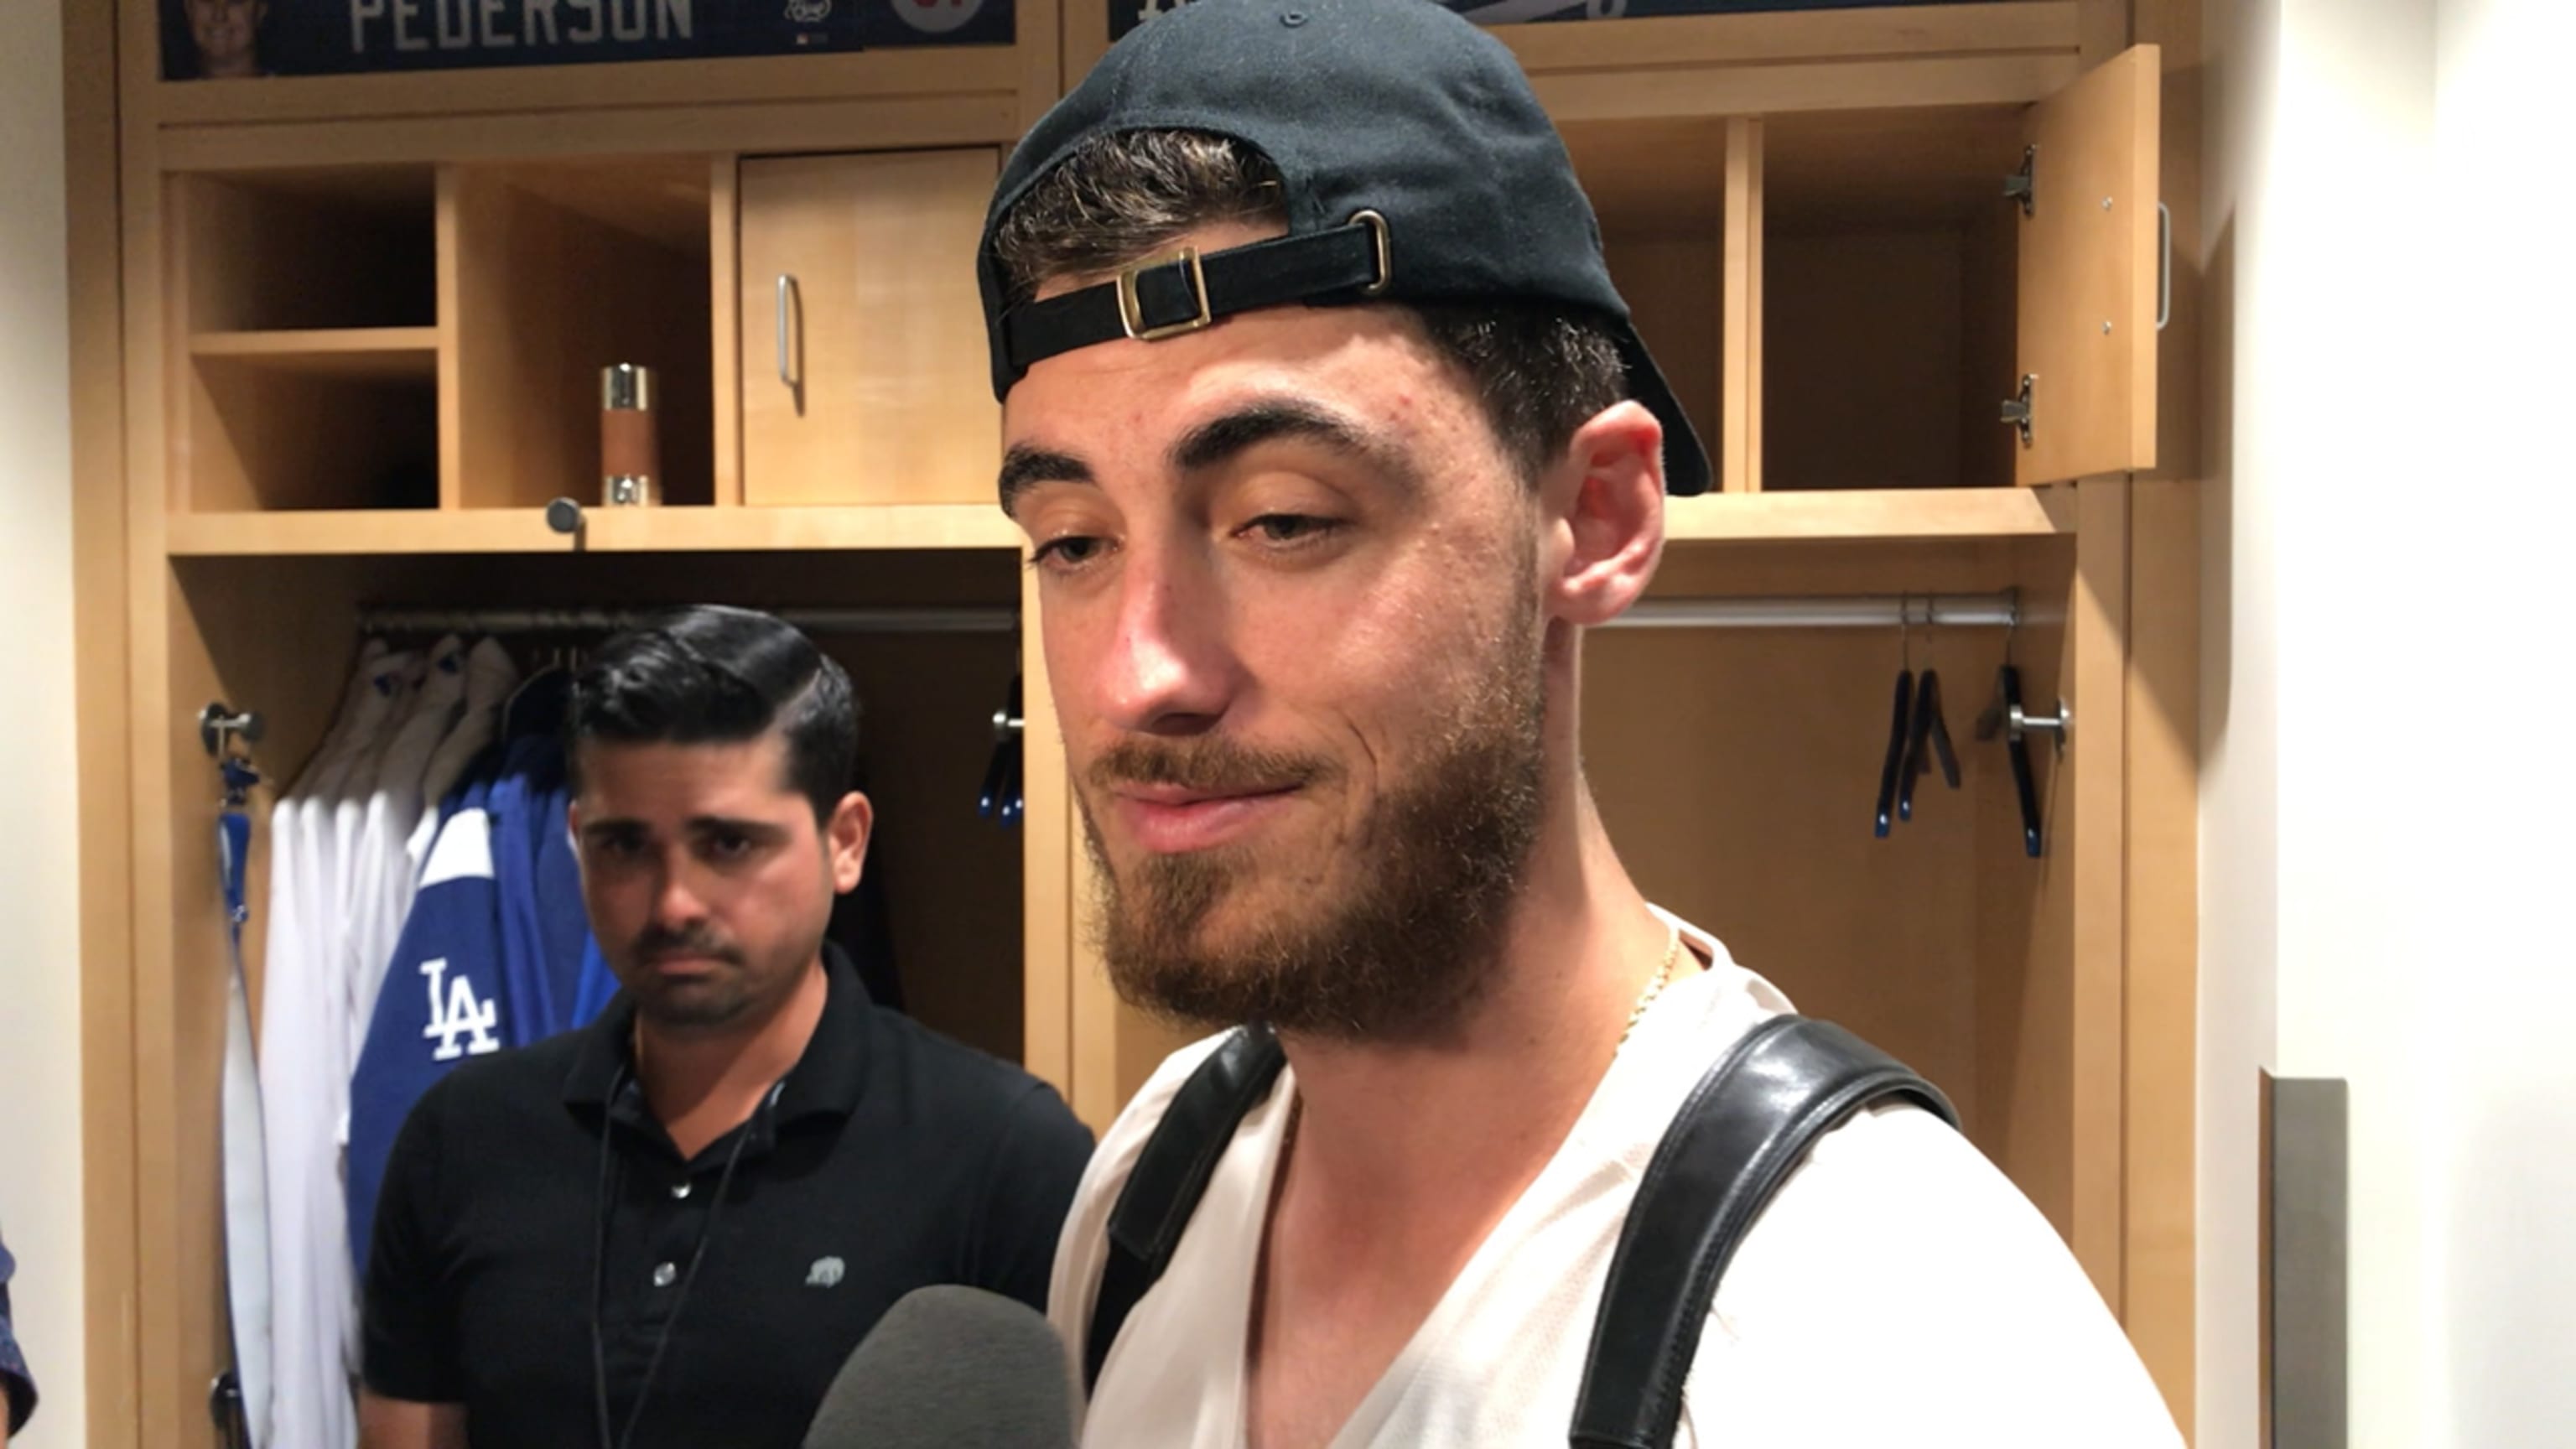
(890,1158)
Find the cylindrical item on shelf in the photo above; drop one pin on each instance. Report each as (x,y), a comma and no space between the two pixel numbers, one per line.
(630,455)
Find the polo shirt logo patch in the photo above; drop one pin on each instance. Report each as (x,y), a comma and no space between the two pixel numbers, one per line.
(826,1273)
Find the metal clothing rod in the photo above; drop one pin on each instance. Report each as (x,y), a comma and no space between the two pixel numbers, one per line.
(1861,611)
(1947,611)
(610,621)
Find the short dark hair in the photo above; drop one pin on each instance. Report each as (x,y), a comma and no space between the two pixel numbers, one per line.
(1540,370)
(717,675)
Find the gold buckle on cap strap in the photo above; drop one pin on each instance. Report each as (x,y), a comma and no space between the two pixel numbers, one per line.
(1385,251)
(1131,311)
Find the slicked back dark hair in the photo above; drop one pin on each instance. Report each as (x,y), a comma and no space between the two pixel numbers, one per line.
(716,675)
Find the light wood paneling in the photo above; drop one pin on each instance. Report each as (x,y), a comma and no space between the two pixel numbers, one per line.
(2026,928)
(2047,28)
(884,336)
(605,530)
(1040,52)
(1777,89)
(1046,863)
(1865,515)
(375,354)
(724,279)
(2087,310)
(1741,311)
(2102,29)
(2097,635)
(111,1288)
(174,1321)
(2163,937)
(781,126)
(2164,717)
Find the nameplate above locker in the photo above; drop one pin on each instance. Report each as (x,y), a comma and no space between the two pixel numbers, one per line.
(235,39)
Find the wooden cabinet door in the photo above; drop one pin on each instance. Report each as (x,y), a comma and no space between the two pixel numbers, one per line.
(864,376)
(2091,273)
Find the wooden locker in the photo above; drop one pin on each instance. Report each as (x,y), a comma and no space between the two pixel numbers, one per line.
(864,372)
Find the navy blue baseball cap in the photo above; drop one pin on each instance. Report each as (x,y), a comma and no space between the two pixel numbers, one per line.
(1415,163)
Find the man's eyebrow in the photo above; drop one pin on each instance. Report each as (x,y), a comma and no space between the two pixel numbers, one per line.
(730,825)
(1024,467)
(1221,439)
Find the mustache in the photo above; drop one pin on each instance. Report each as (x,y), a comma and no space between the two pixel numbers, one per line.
(1207,762)
(656,943)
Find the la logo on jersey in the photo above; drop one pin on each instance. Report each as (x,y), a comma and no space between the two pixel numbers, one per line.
(454,1012)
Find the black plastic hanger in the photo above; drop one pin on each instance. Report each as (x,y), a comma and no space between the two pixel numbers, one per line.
(2002,717)
(1890,771)
(1931,727)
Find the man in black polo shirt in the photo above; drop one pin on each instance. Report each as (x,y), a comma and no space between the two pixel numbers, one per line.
(670,1228)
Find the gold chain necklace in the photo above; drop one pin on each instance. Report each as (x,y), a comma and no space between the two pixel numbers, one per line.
(1654,988)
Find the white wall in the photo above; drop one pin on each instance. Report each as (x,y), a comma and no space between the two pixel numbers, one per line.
(2388,210)
(40,1147)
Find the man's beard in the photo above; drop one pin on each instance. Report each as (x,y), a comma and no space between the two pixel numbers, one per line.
(1404,951)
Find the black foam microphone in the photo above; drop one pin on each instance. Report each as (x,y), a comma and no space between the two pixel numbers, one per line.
(951,1366)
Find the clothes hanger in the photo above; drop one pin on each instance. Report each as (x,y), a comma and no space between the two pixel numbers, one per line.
(1003,798)
(1930,725)
(1894,764)
(2006,710)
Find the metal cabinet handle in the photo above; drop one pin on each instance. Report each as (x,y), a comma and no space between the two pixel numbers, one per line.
(791,306)
(2164,267)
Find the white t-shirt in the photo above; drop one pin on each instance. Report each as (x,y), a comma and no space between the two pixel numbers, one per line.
(1898,1290)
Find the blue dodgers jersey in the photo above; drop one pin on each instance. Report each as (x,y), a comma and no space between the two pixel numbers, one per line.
(492,956)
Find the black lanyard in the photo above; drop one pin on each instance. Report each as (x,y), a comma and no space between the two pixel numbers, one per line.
(608,1438)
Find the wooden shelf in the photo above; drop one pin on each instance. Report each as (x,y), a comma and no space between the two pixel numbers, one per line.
(1892,515)
(607,530)
(364,531)
(378,353)
(865,526)
(1772,63)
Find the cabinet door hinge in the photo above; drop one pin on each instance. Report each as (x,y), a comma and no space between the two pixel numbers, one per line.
(2021,185)
(2016,410)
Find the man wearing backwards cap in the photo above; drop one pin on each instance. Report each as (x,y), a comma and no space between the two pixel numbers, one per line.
(1320,512)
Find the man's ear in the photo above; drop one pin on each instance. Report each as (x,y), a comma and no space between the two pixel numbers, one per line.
(1604,502)
(845,840)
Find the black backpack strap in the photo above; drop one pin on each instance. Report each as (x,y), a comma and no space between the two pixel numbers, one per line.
(1170,1176)
(1741,1132)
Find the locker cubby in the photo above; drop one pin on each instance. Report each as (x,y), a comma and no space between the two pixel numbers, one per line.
(1888,298)
(307,249)
(562,269)
(1659,189)
(308,375)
